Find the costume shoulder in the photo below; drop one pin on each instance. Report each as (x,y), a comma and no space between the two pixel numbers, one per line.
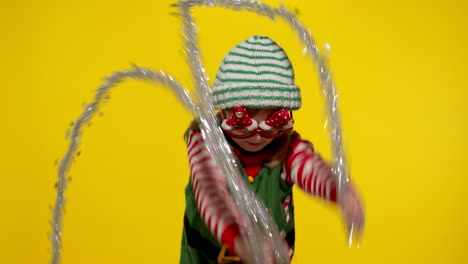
(298,142)
(195,126)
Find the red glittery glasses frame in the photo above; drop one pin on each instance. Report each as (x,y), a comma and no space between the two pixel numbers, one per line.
(264,133)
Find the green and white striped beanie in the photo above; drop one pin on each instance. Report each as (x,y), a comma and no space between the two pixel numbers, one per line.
(256,73)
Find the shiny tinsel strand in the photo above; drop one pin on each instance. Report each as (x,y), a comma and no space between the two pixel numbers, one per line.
(89,111)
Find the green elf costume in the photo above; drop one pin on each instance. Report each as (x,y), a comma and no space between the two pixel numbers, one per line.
(256,74)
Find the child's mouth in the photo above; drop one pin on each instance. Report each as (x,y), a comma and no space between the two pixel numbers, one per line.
(254,144)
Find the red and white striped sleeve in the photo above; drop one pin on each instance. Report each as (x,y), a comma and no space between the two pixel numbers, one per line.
(216,207)
(309,171)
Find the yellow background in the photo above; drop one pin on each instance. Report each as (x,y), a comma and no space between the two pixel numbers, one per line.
(400,67)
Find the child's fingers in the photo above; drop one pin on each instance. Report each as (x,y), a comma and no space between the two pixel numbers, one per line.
(283,234)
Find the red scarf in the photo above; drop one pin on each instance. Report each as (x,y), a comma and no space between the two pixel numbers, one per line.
(252,162)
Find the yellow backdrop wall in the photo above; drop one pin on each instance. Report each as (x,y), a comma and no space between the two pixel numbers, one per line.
(400,67)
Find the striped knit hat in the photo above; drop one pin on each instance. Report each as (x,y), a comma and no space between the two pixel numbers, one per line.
(256,73)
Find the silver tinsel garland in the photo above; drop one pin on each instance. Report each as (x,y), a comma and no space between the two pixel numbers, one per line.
(260,228)
(159,77)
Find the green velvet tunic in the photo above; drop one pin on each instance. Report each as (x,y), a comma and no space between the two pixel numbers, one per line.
(199,246)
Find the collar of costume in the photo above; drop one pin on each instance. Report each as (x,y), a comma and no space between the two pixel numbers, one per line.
(255,158)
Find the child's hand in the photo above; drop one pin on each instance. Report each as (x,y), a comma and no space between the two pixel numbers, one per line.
(247,255)
(352,211)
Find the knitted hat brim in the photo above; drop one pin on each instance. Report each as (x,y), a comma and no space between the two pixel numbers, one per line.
(252,95)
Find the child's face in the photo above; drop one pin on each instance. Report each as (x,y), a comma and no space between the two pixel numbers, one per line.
(256,142)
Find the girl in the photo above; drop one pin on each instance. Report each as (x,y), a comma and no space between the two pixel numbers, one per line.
(255,93)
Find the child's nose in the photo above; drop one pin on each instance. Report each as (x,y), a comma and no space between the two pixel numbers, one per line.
(257,137)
